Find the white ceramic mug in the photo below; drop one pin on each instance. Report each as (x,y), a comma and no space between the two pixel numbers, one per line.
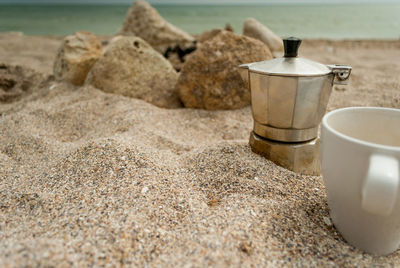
(360,154)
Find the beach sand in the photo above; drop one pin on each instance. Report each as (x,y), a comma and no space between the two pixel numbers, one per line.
(89,178)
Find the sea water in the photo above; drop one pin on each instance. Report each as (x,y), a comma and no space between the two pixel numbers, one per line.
(330,21)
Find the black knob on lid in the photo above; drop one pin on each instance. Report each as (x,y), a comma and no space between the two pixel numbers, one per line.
(291,46)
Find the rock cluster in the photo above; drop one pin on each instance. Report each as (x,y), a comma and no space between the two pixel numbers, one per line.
(257,30)
(132,68)
(142,62)
(76,57)
(144,21)
(210,78)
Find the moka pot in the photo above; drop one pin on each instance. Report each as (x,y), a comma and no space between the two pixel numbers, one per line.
(289,95)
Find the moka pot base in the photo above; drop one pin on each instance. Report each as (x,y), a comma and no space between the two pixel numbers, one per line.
(299,157)
(285,135)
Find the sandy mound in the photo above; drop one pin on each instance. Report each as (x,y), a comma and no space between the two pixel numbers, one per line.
(90,178)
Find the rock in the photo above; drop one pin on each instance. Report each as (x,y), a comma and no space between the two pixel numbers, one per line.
(76,57)
(257,30)
(210,77)
(132,68)
(229,28)
(207,35)
(144,21)
(17,82)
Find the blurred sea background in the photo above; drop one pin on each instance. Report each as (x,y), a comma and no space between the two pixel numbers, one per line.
(327,21)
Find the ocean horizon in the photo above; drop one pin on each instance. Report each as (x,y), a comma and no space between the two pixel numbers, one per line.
(313,21)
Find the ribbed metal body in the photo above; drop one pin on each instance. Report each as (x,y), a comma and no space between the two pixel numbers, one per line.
(289,108)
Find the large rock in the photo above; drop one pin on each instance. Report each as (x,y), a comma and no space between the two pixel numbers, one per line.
(76,57)
(257,30)
(210,77)
(144,21)
(132,68)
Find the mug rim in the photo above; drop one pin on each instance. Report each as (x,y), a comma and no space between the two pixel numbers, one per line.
(355,140)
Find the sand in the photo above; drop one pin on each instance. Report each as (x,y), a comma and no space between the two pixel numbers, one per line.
(90,179)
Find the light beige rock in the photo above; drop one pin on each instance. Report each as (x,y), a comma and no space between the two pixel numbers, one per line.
(210,78)
(132,68)
(144,21)
(257,30)
(76,56)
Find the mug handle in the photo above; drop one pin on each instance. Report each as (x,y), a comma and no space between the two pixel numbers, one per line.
(379,192)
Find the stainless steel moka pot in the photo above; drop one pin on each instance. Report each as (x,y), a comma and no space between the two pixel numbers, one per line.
(289,96)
